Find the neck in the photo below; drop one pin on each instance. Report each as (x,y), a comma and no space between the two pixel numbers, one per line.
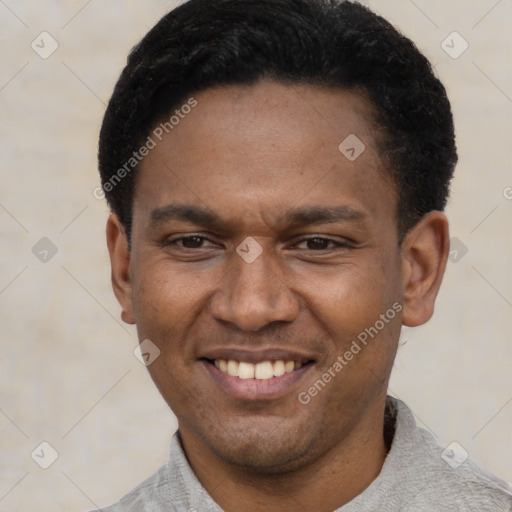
(332,480)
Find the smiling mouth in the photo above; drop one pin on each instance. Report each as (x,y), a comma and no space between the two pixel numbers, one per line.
(264,370)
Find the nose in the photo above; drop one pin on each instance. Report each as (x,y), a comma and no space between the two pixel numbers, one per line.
(253,295)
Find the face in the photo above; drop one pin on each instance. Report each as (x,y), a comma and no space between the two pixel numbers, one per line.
(259,248)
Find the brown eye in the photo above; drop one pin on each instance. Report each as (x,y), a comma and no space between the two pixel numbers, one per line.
(192,242)
(186,242)
(321,244)
(318,243)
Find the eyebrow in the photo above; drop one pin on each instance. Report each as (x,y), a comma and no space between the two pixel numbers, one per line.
(301,216)
(322,214)
(186,213)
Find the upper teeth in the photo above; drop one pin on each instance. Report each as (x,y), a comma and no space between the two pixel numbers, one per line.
(262,371)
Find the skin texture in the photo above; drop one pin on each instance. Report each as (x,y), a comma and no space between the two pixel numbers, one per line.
(251,155)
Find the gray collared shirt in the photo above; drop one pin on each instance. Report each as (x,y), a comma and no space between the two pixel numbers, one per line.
(417,475)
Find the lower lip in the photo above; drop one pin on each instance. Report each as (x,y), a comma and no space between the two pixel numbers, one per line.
(256,389)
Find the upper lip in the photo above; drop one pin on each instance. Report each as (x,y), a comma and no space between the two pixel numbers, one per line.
(257,356)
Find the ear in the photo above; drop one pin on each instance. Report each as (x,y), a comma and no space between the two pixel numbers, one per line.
(424,255)
(117,244)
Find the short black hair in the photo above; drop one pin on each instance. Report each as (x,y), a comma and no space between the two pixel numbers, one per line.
(206,43)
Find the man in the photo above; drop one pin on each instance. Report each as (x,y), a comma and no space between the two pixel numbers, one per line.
(277,172)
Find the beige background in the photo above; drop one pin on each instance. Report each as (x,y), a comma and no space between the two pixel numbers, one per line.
(68,374)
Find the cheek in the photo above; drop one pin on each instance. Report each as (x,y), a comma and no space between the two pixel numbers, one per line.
(354,296)
(160,300)
(161,283)
(168,301)
(359,308)
(165,304)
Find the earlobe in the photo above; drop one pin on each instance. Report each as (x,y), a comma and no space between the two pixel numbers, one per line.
(424,256)
(117,244)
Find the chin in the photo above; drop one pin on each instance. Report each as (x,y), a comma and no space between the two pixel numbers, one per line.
(278,449)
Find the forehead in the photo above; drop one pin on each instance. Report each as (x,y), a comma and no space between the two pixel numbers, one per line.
(265,148)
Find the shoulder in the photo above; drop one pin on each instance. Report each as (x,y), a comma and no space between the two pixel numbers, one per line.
(172,488)
(446,477)
(462,482)
(152,495)
(472,486)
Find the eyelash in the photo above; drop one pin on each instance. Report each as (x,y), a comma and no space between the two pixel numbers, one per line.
(337,245)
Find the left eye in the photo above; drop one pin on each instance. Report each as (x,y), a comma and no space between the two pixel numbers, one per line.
(192,242)
(319,244)
(188,242)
